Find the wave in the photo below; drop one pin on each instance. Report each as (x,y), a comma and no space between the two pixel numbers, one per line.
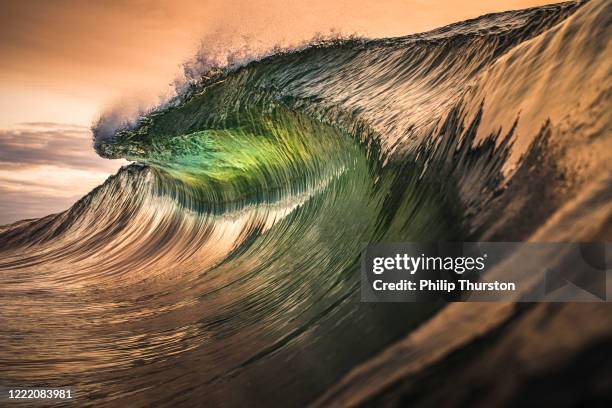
(224,262)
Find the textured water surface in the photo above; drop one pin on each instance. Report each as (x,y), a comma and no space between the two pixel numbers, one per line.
(222,267)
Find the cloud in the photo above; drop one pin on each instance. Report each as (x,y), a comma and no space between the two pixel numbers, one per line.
(45,167)
(20,205)
(37,144)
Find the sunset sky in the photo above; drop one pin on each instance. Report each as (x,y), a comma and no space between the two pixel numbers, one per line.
(65,62)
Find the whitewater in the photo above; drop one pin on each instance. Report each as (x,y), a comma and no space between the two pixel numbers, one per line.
(221,268)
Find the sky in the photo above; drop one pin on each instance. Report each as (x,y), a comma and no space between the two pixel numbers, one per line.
(64,62)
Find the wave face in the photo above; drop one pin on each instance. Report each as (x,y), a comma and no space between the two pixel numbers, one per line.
(222,267)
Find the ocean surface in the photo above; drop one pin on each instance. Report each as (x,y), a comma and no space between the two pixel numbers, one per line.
(221,268)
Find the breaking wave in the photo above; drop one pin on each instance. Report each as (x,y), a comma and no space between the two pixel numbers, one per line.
(222,266)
